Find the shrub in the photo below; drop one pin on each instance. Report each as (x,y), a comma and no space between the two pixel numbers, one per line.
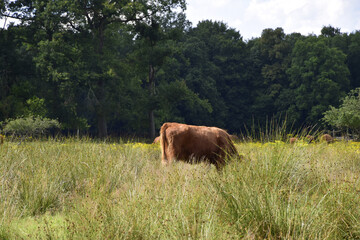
(30,126)
(348,114)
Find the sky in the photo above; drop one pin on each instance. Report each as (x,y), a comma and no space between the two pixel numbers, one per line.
(250,17)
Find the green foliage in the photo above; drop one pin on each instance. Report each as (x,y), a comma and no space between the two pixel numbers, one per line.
(97,65)
(353,58)
(30,126)
(177,97)
(36,107)
(347,115)
(271,58)
(155,47)
(17,73)
(215,69)
(330,31)
(318,78)
(77,52)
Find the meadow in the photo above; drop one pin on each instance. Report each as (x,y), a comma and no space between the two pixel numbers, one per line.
(83,189)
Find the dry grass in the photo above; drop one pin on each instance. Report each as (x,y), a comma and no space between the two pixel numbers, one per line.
(87,190)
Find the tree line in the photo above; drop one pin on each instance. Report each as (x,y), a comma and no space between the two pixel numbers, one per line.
(125,67)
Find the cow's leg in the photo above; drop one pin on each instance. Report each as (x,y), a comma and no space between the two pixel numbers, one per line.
(170,156)
(164,159)
(220,159)
(166,162)
(219,164)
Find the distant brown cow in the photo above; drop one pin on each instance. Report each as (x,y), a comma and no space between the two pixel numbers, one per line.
(326,138)
(310,138)
(293,140)
(156,140)
(195,143)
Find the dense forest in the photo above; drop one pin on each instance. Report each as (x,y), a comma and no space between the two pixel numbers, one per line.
(125,67)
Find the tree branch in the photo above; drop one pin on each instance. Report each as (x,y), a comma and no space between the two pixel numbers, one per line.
(17,16)
(74,27)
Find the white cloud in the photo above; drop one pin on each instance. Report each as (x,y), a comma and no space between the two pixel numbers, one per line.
(227,11)
(250,17)
(218,3)
(294,15)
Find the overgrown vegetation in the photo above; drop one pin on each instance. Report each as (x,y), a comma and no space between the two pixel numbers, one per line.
(347,116)
(30,126)
(80,189)
(127,67)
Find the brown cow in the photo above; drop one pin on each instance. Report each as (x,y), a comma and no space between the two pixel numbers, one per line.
(326,138)
(156,140)
(310,138)
(195,143)
(293,140)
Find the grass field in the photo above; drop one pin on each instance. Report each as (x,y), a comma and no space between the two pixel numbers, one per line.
(72,189)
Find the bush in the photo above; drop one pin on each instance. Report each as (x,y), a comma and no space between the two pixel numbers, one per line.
(30,126)
(348,114)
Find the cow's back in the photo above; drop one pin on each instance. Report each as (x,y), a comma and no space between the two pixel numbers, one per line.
(195,143)
(326,138)
(156,140)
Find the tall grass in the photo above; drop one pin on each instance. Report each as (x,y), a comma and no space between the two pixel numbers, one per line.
(277,130)
(80,189)
(286,193)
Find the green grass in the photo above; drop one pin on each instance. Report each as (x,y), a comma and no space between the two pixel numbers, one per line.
(83,189)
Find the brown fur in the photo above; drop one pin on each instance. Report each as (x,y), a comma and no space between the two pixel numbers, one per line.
(326,138)
(293,140)
(195,143)
(310,138)
(156,140)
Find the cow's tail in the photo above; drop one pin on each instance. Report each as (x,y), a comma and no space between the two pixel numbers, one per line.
(163,142)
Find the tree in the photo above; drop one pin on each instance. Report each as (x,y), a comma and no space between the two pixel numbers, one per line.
(318,78)
(271,57)
(17,73)
(90,21)
(347,115)
(353,59)
(330,31)
(154,46)
(174,99)
(216,70)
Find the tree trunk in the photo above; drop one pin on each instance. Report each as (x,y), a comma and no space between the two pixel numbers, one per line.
(102,126)
(152,124)
(152,93)
(101,111)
